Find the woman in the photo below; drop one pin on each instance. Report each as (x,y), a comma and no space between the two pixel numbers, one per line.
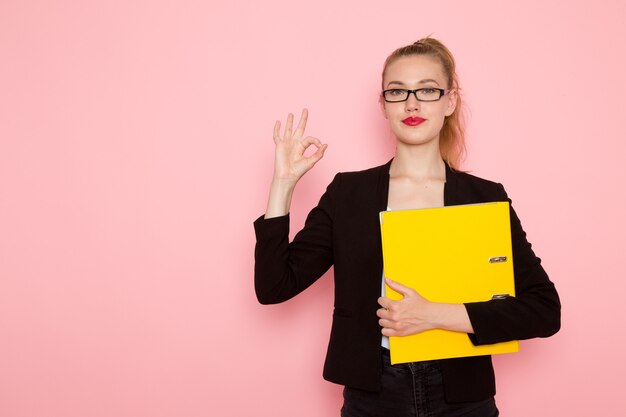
(421,102)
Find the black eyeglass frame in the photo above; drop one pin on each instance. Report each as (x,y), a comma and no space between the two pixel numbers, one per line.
(442,93)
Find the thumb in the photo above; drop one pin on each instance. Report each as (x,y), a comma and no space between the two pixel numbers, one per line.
(319,153)
(399,288)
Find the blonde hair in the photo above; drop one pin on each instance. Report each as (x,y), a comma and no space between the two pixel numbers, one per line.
(452,134)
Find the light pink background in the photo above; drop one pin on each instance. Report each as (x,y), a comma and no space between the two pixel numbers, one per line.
(136,150)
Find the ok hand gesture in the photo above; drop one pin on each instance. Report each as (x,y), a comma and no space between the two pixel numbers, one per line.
(290,164)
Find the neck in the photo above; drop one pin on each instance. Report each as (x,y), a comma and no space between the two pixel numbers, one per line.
(419,162)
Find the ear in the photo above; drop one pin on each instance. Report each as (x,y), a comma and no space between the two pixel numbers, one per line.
(453,98)
(383,109)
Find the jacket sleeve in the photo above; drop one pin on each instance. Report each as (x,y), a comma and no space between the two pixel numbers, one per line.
(282,269)
(535,311)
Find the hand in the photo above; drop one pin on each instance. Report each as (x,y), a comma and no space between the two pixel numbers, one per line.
(414,314)
(410,315)
(290,164)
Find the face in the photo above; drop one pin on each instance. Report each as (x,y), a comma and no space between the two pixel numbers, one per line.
(405,118)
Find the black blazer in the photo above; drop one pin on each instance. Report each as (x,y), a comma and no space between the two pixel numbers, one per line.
(344,231)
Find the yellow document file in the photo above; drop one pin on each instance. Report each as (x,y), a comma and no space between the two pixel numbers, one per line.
(453,254)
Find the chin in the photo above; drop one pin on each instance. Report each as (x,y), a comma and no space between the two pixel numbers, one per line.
(416,140)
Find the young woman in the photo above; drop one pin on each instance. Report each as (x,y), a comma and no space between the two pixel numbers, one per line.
(420,100)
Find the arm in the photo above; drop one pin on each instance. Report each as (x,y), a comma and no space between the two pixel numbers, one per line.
(281,269)
(535,311)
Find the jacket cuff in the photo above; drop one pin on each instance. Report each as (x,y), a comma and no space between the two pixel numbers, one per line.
(484,331)
(264,228)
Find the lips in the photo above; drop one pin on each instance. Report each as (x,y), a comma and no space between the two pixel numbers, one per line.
(413,121)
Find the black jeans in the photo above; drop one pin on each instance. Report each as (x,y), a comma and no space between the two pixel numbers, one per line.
(410,389)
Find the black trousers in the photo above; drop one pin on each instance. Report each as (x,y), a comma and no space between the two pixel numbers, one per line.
(411,389)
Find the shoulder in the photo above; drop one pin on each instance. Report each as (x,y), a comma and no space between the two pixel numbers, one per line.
(466,177)
(468,184)
(362,186)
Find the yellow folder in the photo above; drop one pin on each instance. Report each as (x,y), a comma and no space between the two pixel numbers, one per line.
(453,254)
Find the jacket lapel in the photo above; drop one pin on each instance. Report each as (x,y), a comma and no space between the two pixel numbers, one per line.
(450,189)
(382,188)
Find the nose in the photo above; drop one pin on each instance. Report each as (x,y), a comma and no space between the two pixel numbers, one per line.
(411,103)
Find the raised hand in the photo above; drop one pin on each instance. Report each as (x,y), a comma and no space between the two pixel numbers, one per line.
(290,163)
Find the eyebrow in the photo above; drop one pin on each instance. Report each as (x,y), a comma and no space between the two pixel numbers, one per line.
(400,83)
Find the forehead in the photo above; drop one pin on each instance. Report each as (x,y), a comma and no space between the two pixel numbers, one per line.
(412,69)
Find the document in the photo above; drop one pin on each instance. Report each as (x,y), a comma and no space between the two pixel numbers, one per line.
(452,254)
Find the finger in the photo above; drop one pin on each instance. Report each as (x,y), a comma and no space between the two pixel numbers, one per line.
(402,330)
(277,131)
(399,288)
(310,140)
(394,325)
(288,126)
(383,313)
(302,123)
(386,331)
(384,302)
(318,154)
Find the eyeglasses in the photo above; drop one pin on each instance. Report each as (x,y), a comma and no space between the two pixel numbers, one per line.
(421,94)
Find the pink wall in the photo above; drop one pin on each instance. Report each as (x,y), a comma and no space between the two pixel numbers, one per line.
(136,150)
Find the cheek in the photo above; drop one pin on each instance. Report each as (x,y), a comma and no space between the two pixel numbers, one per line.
(394,110)
(439,112)
(384,110)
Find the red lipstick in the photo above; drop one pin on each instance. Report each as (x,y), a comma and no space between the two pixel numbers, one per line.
(413,121)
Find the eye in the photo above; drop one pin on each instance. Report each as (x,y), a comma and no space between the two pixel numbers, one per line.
(396,92)
(429,90)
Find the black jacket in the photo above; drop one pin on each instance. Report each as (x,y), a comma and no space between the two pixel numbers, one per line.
(344,231)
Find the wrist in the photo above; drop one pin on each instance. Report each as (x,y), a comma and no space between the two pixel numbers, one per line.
(436,315)
(451,317)
(279,200)
(286,184)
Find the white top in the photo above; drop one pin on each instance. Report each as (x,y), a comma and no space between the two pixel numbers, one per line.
(385,340)
(383,291)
